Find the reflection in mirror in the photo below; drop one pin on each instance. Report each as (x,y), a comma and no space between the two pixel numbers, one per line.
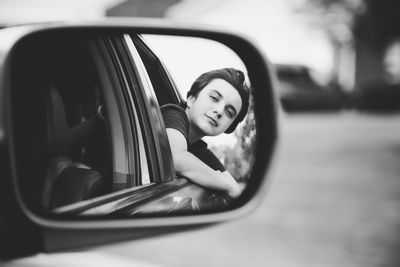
(131,124)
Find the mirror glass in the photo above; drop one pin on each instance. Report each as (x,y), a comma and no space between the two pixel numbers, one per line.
(130,124)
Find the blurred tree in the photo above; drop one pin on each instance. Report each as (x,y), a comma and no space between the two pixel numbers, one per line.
(368,25)
(374,31)
(336,19)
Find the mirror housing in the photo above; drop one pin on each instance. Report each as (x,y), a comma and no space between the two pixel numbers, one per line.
(25,231)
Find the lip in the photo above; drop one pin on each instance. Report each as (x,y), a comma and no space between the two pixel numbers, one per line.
(213,121)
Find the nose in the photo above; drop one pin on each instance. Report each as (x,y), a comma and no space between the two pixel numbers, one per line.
(218,110)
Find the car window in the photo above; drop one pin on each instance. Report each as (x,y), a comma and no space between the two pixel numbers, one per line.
(62,128)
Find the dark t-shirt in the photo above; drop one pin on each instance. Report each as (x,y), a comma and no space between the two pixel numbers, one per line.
(175,117)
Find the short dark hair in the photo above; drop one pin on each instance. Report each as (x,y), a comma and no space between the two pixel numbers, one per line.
(232,76)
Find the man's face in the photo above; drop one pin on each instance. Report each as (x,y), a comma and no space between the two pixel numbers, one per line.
(215,108)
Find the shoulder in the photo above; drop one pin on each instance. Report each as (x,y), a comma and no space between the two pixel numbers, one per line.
(175,118)
(174,111)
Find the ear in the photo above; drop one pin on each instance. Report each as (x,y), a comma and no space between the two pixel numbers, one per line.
(190,101)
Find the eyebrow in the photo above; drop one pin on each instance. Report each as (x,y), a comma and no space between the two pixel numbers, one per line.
(229,106)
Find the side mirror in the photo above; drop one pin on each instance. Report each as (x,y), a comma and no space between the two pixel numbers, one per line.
(86,156)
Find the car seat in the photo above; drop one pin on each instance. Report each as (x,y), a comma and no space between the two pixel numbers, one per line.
(66,181)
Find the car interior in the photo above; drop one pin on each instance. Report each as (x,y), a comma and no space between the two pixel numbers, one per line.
(60,131)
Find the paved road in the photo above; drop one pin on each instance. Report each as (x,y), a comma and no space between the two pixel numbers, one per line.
(334,201)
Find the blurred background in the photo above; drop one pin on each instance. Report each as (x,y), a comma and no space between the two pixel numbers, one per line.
(330,55)
(335,188)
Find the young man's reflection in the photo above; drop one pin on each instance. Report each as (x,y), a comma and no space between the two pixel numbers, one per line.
(217,101)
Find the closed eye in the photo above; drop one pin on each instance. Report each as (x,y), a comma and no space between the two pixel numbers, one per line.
(215,99)
(230,112)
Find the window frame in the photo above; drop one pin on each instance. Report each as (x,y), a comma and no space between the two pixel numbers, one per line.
(135,65)
(124,155)
(156,67)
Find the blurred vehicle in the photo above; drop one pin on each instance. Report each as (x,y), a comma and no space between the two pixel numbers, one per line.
(299,92)
(378,96)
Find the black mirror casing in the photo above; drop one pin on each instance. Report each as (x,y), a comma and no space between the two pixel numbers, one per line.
(24,231)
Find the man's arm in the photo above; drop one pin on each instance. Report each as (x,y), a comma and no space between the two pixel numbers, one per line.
(188,165)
